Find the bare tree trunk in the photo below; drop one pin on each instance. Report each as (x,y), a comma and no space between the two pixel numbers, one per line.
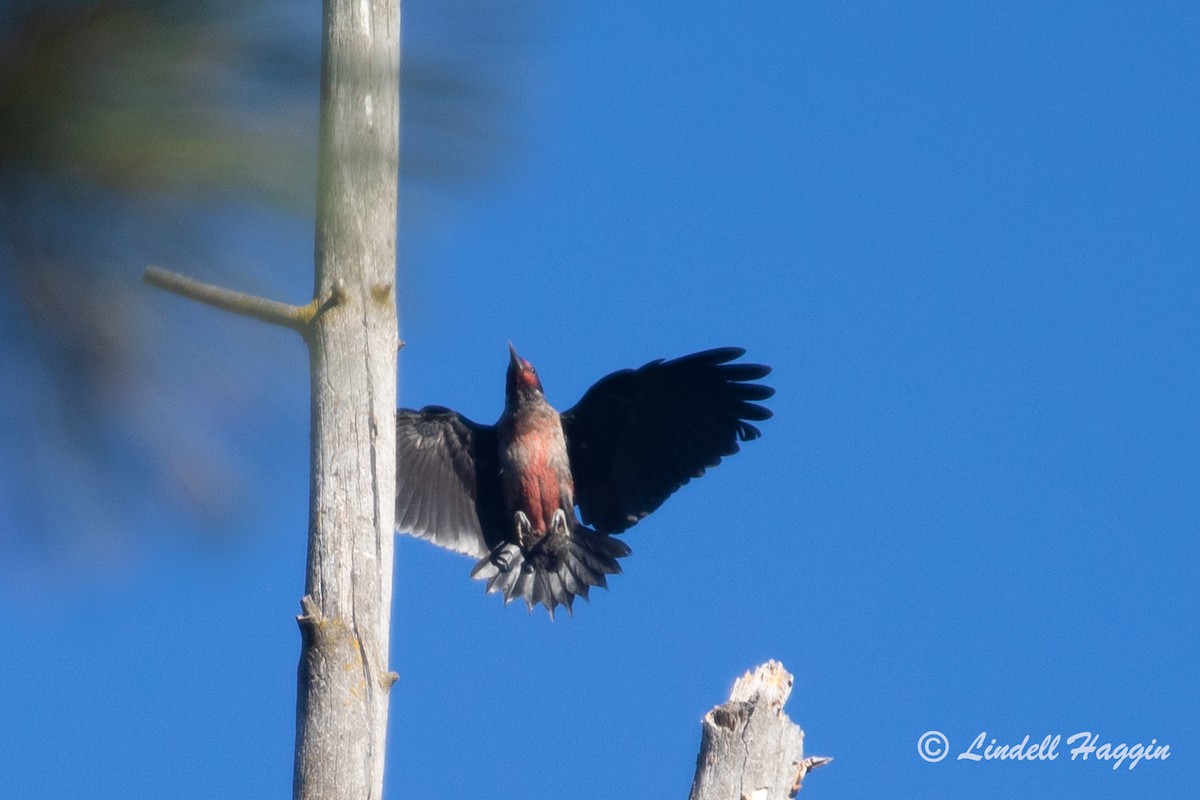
(344,681)
(749,749)
(351,331)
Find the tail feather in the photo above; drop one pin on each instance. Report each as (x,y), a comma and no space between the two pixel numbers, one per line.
(571,583)
(591,566)
(503,581)
(552,578)
(541,591)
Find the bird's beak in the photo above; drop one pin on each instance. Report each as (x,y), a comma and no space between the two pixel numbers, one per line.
(513,358)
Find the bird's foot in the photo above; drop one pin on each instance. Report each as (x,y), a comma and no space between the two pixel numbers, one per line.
(524,529)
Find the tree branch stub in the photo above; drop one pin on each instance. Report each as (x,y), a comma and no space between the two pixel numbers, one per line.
(297,318)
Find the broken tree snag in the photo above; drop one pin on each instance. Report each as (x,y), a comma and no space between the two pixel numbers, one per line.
(344,680)
(749,749)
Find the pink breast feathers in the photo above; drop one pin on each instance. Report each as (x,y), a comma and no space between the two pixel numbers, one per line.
(540,492)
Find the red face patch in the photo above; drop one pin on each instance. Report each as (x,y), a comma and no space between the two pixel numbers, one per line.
(522,375)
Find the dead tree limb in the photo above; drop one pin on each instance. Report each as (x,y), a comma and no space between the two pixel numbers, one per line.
(749,749)
(298,318)
(344,680)
(352,335)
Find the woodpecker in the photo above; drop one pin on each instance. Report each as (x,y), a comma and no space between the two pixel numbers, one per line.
(506,494)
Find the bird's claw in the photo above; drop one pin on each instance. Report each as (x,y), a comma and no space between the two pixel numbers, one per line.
(524,529)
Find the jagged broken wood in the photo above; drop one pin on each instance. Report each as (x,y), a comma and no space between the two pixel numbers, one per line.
(749,749)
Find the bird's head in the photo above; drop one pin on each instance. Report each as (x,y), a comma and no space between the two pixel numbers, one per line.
(522,378)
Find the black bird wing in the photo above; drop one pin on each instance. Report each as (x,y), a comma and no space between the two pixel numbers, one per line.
(638,435)
(447,481)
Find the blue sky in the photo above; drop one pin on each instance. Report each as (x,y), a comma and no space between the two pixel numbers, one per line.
(965,237)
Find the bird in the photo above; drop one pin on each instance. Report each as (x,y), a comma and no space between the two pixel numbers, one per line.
(506,494)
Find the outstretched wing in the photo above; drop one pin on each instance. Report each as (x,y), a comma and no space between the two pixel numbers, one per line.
(638,435)
(447,483)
